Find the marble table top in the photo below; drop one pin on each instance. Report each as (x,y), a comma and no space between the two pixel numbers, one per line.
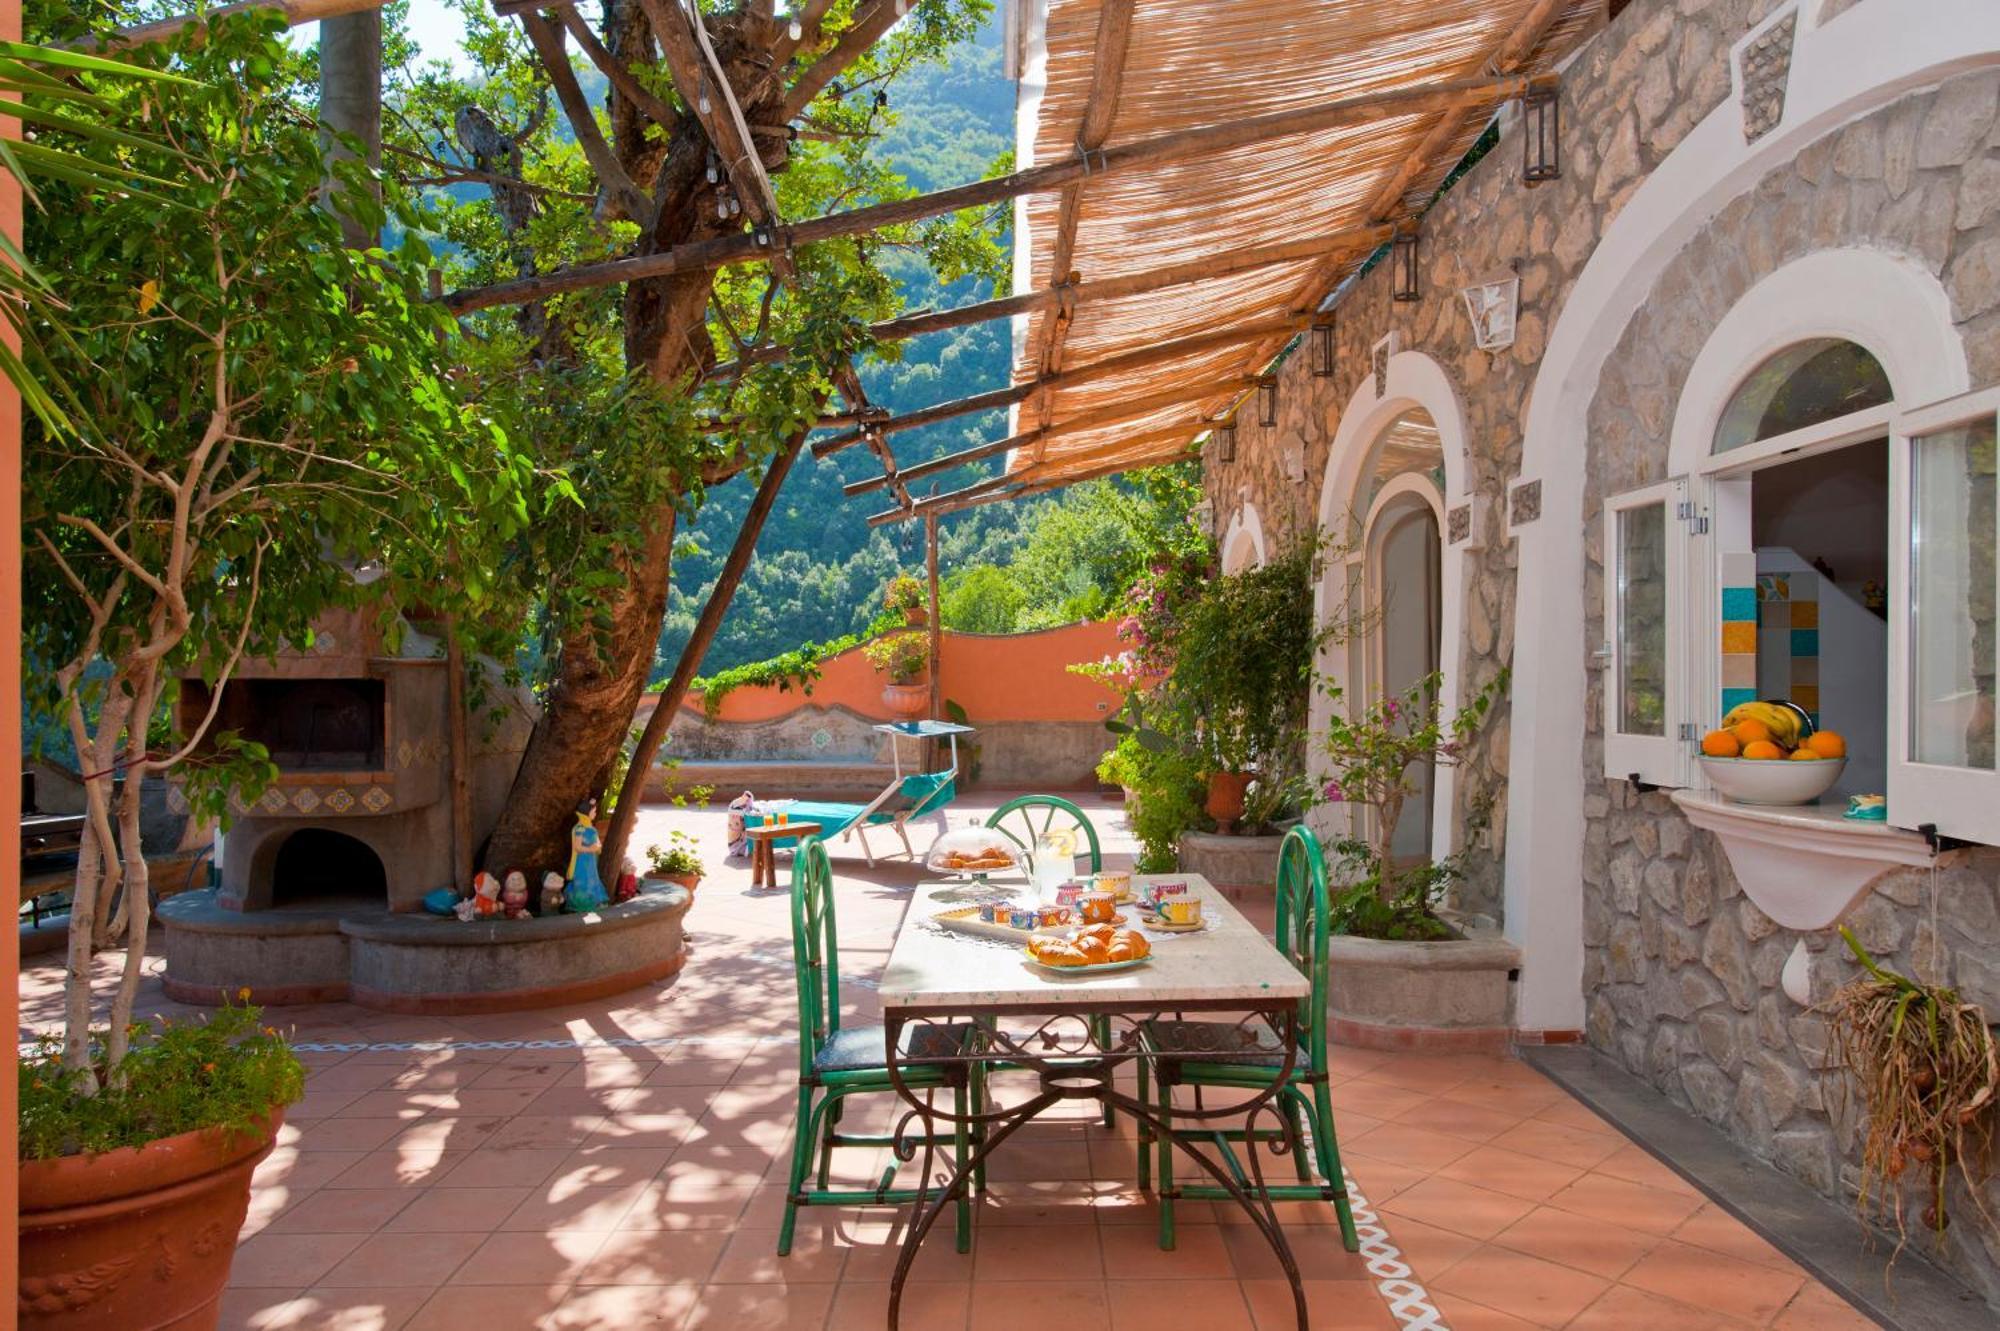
(1231,960)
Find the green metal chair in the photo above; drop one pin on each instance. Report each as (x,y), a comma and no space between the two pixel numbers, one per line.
(1023,820)
(1302,929)
(837,1062)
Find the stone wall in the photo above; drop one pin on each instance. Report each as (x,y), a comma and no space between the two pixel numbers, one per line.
(1628,98)
(1681,969)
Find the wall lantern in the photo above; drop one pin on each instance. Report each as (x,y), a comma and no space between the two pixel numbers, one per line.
(1493,305)
(1403,266)
(1225,441)
(1541,136)
(1321,335)
(1267,401)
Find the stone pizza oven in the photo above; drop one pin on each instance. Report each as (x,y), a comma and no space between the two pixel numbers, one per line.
(360,813)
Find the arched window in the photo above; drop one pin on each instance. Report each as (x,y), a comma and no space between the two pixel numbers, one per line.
(1808,383)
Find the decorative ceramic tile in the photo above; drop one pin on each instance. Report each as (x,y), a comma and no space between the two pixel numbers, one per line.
(340,799)
(1764,68)
(1524,504)
(1381,369)
(404,752)
(273,801)
(1458,524)
(376,799)
(305,800)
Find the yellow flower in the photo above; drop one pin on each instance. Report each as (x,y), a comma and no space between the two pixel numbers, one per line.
(149,295)
(243,994)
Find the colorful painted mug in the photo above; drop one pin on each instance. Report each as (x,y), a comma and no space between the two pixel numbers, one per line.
(1097,907)
(1181,910)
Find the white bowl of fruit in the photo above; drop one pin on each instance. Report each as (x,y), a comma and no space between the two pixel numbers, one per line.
(1769,753)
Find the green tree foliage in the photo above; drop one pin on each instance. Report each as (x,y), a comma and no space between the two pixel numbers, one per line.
(256,410)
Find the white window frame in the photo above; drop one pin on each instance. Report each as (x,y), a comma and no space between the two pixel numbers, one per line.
(1664,759)
(1961,802)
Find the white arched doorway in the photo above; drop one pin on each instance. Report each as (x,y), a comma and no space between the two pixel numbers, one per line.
(1243,544)
(1396,468)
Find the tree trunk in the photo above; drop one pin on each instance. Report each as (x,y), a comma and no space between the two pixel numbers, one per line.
(584,719)
(587,714)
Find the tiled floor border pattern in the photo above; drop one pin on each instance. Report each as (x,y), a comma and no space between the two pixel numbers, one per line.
(1409,1302)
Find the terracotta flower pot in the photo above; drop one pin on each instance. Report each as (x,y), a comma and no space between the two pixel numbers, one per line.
(1225,797)
(136,1239)
(690,881)
(916,616)
(907,701)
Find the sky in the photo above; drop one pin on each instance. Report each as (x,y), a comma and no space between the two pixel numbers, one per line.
(433,24)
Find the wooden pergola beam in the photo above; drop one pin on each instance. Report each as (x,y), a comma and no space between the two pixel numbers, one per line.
(1114,39)
(990,400)
(723,250)
(1132,284)
(1111,365)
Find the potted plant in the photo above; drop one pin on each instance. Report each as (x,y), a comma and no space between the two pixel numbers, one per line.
(676,862)
(908,597)
(1402,971)
(135,1178)
(905,658)
(1925,1063)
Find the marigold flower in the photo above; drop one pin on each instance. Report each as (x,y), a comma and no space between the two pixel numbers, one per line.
(243,994)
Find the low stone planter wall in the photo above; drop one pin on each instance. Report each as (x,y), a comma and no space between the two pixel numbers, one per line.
(1447,997)
(1237,864)
(420,963)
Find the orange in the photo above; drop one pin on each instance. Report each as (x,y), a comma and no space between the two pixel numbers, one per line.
(1804,754)
(1721,744)
(1827,744)
(1762,749)
(1749,731)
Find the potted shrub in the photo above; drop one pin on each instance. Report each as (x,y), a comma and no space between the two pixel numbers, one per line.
(1403,973)
(907,597)
(135,1177)
(905,658)
(676,862)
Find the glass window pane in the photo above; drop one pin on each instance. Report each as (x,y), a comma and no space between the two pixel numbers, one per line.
(1952,572)
(1802,385)
(1642,620)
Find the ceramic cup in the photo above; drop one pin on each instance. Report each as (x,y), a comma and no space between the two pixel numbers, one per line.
(1097,907)
(1117,883)
(1181,910)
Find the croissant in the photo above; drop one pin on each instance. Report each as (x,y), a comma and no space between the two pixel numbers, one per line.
(1055,952)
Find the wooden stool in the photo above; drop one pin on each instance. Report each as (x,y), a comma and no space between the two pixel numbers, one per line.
(763,858)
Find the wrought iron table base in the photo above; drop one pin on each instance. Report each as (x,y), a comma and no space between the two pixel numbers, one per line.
(1079,1062)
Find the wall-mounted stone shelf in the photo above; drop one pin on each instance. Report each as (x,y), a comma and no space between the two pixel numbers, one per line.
(1805,867)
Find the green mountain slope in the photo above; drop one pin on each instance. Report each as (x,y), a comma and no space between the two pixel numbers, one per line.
(819,566)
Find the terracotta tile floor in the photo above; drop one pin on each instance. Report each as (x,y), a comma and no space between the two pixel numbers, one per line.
(432,1180)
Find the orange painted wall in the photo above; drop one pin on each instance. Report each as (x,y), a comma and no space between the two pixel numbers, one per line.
(1015,677)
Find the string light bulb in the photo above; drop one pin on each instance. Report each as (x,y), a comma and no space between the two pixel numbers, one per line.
(796,29)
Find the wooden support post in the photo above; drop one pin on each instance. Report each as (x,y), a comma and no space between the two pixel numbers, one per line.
(647,748)
(937,632)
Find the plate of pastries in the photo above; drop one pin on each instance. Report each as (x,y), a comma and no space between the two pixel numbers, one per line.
(972,850)
(1091,950)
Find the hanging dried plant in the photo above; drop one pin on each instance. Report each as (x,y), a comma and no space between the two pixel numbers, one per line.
(1926,1067)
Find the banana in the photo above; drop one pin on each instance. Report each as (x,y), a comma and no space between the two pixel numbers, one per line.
(1782,722)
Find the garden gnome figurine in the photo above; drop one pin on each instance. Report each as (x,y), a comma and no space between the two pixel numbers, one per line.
(484,903)
(584,891)
(552,893)
(514,896)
